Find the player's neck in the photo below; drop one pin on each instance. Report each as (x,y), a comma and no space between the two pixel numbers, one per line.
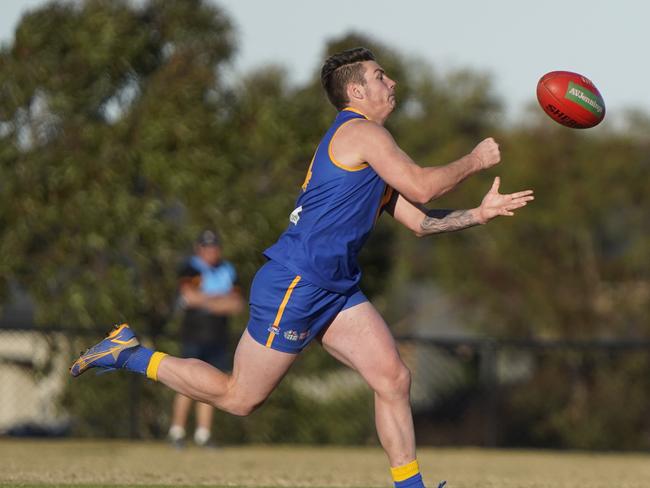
(367,112)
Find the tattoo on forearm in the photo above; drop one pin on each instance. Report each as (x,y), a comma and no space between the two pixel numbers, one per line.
(438,221)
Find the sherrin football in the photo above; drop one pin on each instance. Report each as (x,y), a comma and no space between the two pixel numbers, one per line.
(570,99)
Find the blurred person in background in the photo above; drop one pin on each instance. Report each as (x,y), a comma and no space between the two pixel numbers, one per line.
(208,296)
(309,287)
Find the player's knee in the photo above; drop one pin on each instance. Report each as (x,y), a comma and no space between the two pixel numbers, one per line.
(402,380)
(244,408)
(396,382)
(240,405)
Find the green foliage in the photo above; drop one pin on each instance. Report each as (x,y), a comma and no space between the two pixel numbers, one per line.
(108,117)
(600,405)
(121,138)
(571,264)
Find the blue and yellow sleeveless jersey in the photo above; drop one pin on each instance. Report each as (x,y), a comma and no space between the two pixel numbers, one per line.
(335,212)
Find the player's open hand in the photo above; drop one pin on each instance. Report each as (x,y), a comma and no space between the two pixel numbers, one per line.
(487,152)
(495,204)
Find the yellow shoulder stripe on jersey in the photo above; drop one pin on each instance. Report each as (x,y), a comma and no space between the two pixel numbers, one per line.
(350,109)
(278,316)
(358,167)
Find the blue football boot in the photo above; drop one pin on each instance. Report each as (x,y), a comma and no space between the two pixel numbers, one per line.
(109,354)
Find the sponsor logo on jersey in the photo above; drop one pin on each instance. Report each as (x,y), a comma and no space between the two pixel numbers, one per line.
(295,215)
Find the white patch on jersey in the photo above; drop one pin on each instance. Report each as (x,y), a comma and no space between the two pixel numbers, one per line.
(295,215)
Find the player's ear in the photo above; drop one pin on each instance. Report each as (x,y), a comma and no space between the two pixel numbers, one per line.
(355,91)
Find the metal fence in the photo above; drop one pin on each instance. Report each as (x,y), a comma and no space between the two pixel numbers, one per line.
(465,391)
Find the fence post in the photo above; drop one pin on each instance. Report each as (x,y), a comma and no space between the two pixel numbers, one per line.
(489,385)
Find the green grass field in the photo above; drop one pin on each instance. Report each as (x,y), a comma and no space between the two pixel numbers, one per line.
(92,463)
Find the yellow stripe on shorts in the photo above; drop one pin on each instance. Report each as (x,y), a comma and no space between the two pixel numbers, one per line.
(278,316)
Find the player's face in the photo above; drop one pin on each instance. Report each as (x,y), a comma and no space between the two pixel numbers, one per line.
(209,254)
(379,88)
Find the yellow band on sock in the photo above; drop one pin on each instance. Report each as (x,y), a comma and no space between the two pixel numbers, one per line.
(401,473)
(154,362)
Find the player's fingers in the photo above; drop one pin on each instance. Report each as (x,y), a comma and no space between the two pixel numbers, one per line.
(511,208)
(488,141)
(515,205)
(520,196)
(522,193)
(527,198)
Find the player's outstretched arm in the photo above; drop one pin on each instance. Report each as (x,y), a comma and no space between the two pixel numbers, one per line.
(423,221)
(366,141)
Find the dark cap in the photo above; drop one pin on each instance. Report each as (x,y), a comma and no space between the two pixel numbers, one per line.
(208,238)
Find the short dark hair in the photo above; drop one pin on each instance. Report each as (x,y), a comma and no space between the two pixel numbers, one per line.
(343,68)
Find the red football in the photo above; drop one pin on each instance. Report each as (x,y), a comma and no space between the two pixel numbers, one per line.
(570,99)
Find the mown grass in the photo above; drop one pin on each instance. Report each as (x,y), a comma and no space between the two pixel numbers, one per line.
(80,464)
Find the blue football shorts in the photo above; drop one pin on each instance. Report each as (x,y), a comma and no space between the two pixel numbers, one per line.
(287,312)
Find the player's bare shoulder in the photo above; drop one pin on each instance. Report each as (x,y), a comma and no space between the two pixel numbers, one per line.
(355,141)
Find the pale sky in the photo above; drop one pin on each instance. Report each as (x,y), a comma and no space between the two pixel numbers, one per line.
(516,41)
